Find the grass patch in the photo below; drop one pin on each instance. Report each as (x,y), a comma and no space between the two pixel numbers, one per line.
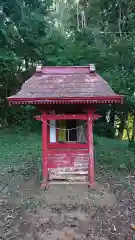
(114,153)
(15,148)
(22,150)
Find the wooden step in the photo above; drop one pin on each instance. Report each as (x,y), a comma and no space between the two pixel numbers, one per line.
(75,173)
(68,177)
(67,182)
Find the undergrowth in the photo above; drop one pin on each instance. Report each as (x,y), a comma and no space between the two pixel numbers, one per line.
(113,153)
(21,152)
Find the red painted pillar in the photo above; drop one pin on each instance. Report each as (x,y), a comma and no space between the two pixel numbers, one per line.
(91,150)
(44,150)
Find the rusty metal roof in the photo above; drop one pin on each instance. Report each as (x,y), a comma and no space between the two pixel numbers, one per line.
(64,83)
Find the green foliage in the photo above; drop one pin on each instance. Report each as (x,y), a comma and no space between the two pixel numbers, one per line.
(104,129)
(114,154)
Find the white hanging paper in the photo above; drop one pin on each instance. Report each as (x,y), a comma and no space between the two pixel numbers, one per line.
(52,131)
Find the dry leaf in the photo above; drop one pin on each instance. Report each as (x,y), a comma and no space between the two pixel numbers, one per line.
(133,226)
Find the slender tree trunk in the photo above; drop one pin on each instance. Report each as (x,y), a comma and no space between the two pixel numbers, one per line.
(78,23)
(123,119)
(26,63)
(127,129)
(5,121)
(132,140)
(112,121)
(133,133)
(119,20)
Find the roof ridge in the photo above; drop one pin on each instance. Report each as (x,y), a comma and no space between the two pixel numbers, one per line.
(66,69)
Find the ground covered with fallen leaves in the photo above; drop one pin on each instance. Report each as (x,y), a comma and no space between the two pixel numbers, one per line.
(67,212)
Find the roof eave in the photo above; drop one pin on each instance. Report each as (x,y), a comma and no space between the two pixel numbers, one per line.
(84,100)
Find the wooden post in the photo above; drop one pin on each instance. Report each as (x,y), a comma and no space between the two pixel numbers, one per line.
(44,151)
(91,150)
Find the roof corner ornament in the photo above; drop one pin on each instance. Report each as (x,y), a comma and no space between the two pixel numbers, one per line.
(39,68)
(92,67)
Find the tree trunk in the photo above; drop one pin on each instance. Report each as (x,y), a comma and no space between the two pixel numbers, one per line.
(123,119)
(133,133)
(127,129)
(26,63)
(132,140)
(119,20)
(112,121)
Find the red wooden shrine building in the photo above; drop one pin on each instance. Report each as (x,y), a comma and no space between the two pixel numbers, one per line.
(67,98)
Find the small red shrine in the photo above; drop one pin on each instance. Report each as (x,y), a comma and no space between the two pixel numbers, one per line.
(67,98)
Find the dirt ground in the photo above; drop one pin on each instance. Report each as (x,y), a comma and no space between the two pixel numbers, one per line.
(67,212)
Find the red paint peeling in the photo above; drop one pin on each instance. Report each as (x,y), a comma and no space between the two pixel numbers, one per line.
(44,150)
(91,150)
(74,161)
